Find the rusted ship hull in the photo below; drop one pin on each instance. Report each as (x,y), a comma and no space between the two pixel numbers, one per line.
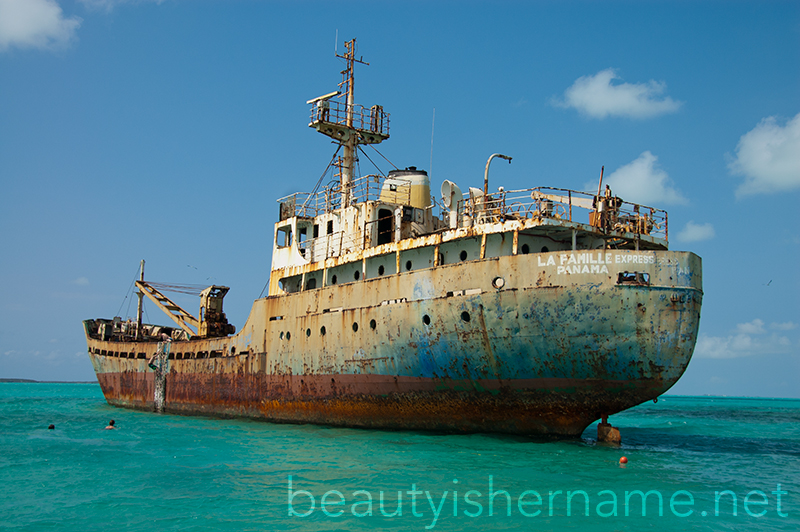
(564,340)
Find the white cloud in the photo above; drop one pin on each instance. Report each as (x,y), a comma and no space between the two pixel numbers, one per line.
(768,156)
(642,181)
(696,232)
(81,281)
(754,327)
(749,339)
(35,24)
(787,326)
(108,5)
(596,97)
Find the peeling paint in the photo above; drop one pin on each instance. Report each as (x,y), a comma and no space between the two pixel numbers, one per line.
(535,357)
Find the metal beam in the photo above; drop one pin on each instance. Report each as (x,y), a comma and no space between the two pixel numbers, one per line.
(175,312)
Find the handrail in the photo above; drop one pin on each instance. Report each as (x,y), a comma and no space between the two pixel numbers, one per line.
(365,188)
(373,120)
(608,215)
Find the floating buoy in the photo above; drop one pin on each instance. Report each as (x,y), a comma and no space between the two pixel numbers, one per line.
(623,460)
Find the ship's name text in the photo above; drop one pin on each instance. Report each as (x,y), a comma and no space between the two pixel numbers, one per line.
(592,262)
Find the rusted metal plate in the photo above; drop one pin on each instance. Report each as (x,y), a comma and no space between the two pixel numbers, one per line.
(562,343)
(535,406)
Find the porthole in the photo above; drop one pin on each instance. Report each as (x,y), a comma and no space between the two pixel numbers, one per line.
(381,269)
(333,280)
(281,335)
(356,275)
(308,332)
(525,249)
(373,324)
(288,335)
(426,319)
(322,330)
(408,265)
(465,316)
(463,255)
(545,249)
(355,326)
(498,282)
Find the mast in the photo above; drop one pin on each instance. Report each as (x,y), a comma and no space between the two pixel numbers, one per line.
(139,294)
(348,83)
(348,123)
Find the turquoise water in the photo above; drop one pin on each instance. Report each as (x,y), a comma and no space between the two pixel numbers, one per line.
(163,472)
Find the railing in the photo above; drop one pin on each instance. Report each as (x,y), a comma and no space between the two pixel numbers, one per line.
(331,245)
(607,214)
(366,188)
(373,119)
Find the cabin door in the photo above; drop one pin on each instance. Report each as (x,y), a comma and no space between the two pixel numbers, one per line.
(385,226)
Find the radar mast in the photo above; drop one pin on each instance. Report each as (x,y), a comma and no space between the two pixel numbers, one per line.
(347,123)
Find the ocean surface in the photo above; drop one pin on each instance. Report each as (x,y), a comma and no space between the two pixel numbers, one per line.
(704,463)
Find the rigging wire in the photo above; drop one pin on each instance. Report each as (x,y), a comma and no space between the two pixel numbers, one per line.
(384,157)
(370,160)
(262,290)
(191,289)
(324,173)
(128,310)
(316,187)
(127,293)
(311,195)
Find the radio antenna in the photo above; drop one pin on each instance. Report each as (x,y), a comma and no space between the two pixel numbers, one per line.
(433,124)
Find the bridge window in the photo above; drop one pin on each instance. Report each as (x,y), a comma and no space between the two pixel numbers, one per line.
(284,236)
(302,240)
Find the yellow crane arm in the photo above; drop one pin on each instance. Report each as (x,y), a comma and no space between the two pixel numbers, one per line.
(175,312)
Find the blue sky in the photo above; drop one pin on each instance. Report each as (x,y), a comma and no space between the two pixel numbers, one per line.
(166,130)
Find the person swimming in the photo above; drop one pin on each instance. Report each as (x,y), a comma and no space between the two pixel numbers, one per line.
(110,425)
(51,427)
